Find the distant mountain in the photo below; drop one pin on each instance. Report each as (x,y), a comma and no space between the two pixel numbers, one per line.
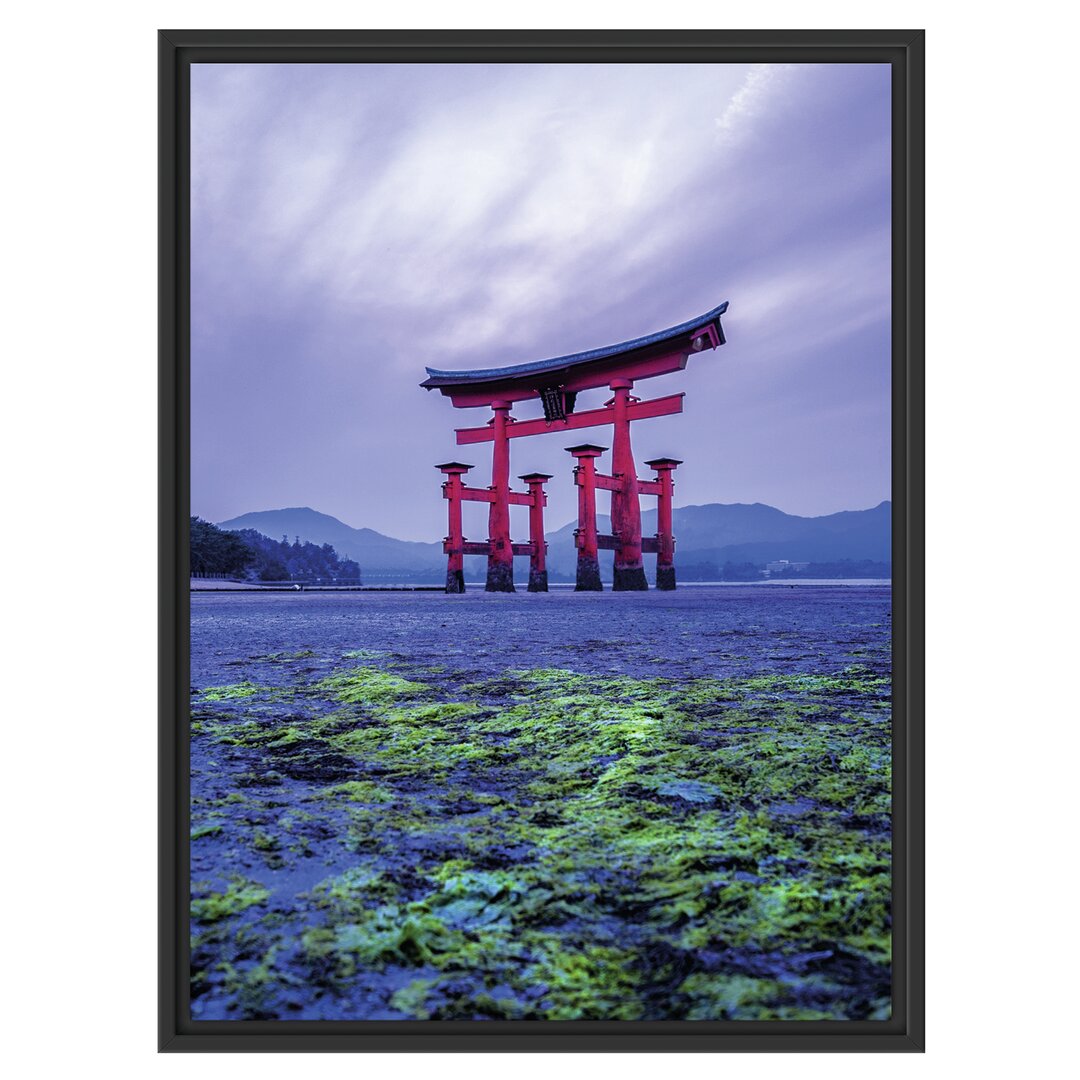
(717,533)
(381,558)
(708,535)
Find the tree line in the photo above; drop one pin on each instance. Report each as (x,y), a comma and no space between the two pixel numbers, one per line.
(246,553)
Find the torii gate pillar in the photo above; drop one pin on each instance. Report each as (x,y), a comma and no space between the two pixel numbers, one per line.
(665,540)
(538,577)
(585,538)
(454,544)
(625,504)
(500,568)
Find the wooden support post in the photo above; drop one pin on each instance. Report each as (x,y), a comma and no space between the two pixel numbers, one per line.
(588,561)
(500,569)
(625,505)
(538,579)
(454,544)
(665,539)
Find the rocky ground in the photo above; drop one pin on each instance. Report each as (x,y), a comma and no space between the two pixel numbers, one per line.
(616,806)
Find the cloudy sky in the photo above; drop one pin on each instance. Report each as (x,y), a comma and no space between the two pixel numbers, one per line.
(354,223)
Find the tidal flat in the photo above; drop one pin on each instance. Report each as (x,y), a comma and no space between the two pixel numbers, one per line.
(559,806)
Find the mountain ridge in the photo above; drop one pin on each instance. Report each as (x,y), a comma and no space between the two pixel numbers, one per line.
(707,534)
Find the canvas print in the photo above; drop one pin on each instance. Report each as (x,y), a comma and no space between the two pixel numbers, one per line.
(540,542)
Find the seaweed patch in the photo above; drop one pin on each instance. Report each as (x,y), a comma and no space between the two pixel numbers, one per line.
(545,844)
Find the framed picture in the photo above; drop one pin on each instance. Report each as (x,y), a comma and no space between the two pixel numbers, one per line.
(541,558)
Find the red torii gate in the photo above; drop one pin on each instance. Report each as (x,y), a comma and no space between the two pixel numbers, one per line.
(557,382)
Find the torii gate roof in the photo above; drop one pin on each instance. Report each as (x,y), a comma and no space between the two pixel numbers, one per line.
(653,354)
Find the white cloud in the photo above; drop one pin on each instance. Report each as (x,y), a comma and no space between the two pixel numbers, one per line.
(751,100)
(380,218)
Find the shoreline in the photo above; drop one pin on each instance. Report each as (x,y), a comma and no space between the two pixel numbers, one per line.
(478,586)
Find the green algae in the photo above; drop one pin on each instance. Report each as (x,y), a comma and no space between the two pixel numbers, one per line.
(238,896)
(369,686)
(548,844)
(263,841)
(228,693)
(585,983)
(254,986)
(728,997)
(360,791)
(389,934)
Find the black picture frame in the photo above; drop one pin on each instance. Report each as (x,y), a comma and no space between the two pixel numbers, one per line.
(904,51)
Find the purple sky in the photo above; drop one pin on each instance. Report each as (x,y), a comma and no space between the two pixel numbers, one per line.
(352,223)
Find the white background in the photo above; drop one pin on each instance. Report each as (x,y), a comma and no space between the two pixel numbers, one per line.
(78,735)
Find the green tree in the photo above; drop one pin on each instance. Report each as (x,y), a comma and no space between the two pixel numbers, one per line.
(214,551)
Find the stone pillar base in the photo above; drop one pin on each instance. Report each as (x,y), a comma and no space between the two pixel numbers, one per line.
(538,581)
(630,579)
(455,581)
(665,578)
(500,577)
(588,576)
